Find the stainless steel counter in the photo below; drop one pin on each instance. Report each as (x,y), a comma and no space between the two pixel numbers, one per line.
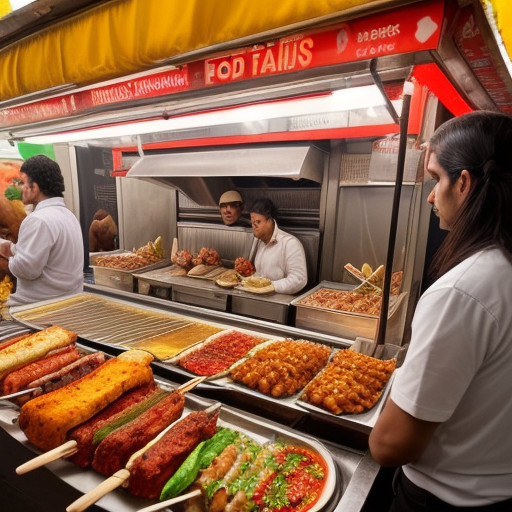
(204,292)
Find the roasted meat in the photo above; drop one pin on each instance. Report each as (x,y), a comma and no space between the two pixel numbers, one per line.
(113,452)
(151,470)
(46,419)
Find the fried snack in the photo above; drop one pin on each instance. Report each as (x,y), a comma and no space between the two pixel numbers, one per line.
(45,420)
(34,347)
(207,256)
(351,383)
(282,368)
(146,255)
(6,286)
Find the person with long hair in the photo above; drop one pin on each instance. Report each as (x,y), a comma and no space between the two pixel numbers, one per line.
(446,424)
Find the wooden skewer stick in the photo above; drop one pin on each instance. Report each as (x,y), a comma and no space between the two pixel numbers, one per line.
(172,501)
(108,485)
(122,476)
(71,447)
(64,450)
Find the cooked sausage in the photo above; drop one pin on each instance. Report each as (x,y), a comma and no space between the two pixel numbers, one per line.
(19,379)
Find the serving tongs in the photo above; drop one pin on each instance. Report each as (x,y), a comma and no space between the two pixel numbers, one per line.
(121,477)
(71,447)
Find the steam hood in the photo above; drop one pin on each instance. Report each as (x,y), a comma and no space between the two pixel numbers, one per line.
(203,174)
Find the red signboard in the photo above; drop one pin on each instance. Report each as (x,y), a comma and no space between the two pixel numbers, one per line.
(148,86)
(412,28)
(471,44)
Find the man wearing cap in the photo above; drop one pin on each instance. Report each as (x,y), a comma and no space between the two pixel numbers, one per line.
(231,206)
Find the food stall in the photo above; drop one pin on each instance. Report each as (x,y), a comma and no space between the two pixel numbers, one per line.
(316,120)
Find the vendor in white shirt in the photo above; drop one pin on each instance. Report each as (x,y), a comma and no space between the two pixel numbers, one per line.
(48,258)
(279,256)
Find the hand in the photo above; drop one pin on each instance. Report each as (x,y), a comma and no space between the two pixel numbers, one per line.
(5,248)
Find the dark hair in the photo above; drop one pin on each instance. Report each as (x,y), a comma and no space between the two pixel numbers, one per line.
(46,173)
(479,142)
(264,207)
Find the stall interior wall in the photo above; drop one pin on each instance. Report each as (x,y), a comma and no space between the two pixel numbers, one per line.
(361,216)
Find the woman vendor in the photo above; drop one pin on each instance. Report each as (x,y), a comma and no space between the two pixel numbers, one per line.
(279,256)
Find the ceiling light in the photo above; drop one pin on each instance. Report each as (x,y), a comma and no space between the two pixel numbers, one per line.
(342,100)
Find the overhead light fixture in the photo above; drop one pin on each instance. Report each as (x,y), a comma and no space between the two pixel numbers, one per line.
(341,100)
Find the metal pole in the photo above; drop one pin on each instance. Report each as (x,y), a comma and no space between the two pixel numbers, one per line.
(404,121)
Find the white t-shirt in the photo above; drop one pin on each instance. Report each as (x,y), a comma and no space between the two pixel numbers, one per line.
(458,371)
(49,255)
(283,261)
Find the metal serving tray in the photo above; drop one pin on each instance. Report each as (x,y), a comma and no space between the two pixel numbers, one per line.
(339,323)
(122,279)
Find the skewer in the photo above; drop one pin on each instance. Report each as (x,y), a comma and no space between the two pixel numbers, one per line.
(122,476)
(71,447)
(164,504)
(64,450)
(20,393)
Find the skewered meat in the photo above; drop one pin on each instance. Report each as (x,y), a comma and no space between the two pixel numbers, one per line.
(46,419)
(150,471)
(34,347)
(19,379)
(113,452)
(273,477)
(84,433)
(244,267)
(65,375)
(283,367)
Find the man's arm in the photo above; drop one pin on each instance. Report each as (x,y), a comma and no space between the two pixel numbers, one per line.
(399,438)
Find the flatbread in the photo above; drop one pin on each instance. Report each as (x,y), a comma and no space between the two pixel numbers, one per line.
(229,279)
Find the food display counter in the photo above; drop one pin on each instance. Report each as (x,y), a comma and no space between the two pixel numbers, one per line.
(342,437)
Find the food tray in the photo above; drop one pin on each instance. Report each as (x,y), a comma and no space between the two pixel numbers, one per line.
(340,323)
(258,429)
(122,279)
(176,360)
(108,321)
(226,381)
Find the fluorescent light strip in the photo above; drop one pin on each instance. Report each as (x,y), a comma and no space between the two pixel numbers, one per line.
(337,101)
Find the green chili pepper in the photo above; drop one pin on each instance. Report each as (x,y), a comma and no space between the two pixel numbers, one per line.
(184,475)
(201,457)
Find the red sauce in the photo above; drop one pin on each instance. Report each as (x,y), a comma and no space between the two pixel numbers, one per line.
(302,486)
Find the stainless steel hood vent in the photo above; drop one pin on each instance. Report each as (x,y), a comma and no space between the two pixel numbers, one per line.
(203,174)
